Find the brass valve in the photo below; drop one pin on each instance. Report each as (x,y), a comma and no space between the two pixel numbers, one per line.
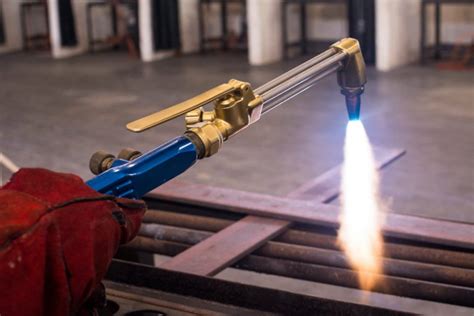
(235,107)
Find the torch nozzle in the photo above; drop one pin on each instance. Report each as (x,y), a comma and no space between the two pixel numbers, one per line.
(353,102)
(351,77)
(353,106)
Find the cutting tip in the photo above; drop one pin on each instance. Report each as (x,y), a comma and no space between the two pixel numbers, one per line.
(353,107)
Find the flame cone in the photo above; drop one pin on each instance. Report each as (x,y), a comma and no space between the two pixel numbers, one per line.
(361,218)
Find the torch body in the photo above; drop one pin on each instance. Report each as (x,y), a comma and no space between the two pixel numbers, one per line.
(236,106)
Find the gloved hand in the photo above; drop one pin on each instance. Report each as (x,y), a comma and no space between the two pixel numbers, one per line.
(57,239)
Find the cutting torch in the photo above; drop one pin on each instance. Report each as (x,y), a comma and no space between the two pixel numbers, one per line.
(235,107)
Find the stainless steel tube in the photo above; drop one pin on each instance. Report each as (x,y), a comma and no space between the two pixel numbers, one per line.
(295,90)
(303,76)
(287,75)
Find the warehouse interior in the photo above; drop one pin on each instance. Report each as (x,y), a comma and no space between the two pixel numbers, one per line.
(74,73)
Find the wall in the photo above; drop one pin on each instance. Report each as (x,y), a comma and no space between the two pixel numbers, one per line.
(189,25)
(398,30)
(397,33)
(397,25)
(264,31)
(147,50)
(324,22)
(12,25)
(101,23)
(457,23)
(79,8)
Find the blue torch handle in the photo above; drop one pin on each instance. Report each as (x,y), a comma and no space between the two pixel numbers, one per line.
(133,179)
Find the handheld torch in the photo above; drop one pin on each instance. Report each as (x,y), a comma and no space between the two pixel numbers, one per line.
(236,106)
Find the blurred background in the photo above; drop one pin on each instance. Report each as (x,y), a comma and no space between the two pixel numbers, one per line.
(74,72)
(393,33)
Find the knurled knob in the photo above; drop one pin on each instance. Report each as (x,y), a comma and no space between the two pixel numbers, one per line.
(100,161)
(129,154)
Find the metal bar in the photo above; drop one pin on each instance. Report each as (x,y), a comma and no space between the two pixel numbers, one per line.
(301,237)
(437,30)
(211,256)
(310,212)
(284,35)
(391,267)
(185,220)
(89,27)
(294,71)
(326,257)
(423,32)
(24,26)
(114,20)
(325,188)
(236,241)
(303,27)
(391,285)
(201,26)
(172,233)
(392,250)
(46,18)
(248,296)
(224,23)
(330,275)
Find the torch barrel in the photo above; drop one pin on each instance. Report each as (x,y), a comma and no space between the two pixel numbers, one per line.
(344,57)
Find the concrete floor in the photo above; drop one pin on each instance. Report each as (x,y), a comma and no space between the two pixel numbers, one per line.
(56,113)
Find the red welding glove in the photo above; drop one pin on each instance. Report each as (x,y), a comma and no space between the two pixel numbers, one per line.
(57,239)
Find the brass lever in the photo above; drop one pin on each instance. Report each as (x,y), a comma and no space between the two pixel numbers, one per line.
(179,109)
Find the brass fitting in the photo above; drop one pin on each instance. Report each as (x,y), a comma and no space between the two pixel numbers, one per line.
(352,75)
(235,107)
(210,136)
(230,115)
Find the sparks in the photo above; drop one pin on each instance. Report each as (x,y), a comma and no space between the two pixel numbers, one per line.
(361,217)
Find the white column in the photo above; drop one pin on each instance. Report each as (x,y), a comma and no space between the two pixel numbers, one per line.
(398,33)
(147,49)
(145,27)
(12,26)
(189,25)
(79,10)
(264,31)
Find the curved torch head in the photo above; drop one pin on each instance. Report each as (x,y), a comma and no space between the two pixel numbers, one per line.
(351,77)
